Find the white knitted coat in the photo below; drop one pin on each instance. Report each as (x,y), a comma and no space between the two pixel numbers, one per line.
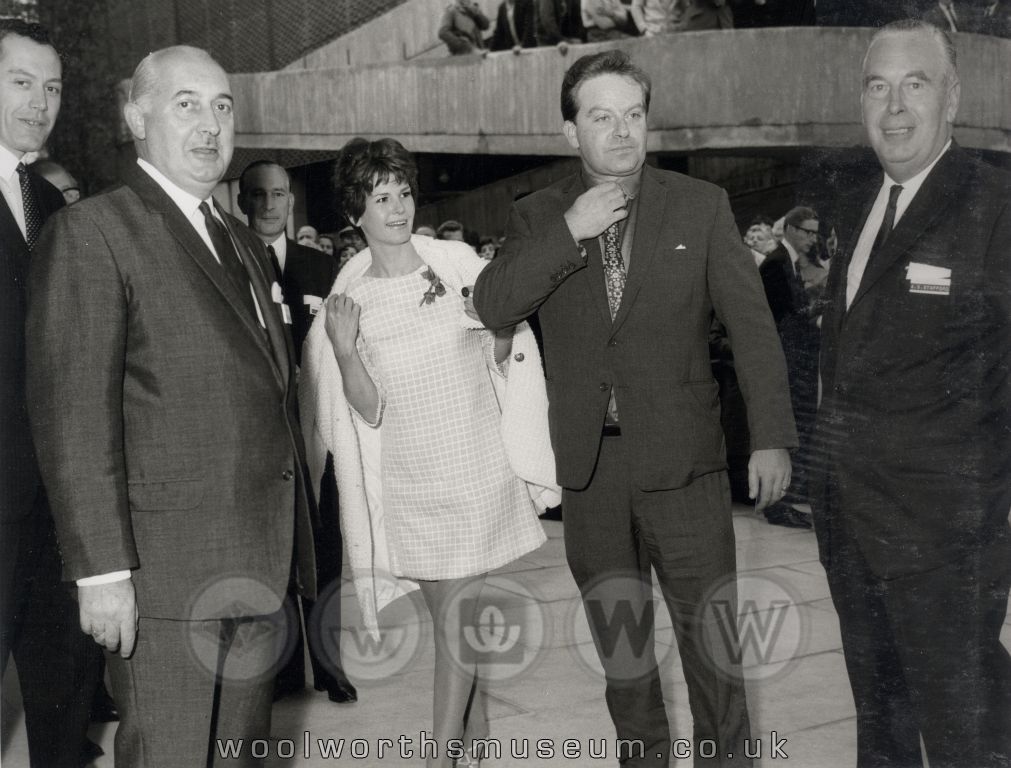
(329,424)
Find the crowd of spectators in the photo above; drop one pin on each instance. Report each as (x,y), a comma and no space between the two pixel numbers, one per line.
(344,244)
(520,24)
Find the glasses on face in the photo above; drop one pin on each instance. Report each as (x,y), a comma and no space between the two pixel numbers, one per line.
(812,232)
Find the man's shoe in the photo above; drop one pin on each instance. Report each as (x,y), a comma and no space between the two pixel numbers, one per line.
(281,690)
(552,513)
(90,752)
(339,690)
(788,517)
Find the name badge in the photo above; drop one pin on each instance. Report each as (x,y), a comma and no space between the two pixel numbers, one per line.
(928,279)
(315,303)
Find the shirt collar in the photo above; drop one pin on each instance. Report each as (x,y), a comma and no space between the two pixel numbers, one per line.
(280,245)
(794,256)
(187,203)
(911,186)
(8,163)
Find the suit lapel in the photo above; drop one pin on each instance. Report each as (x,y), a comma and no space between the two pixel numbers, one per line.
(48,202)
(927,206)
(261,283)
(186,236)
(649,215)
(12,246)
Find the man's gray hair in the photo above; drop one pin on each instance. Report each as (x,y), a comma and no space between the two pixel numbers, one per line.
(943,39)
(145,76)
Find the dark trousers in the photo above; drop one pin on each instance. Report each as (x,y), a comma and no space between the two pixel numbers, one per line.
(58,665)
(924,657)
(326,662)
(613,534)
(190,686)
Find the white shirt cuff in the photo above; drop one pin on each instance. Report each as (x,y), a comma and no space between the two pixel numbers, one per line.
(103,578)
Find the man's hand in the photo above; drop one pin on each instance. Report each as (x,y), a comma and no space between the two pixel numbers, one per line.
(595,210)
(768,476)
(109,615)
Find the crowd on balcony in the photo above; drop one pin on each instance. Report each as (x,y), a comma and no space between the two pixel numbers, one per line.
(520,24)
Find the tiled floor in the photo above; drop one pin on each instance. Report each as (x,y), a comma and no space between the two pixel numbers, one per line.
(552,690)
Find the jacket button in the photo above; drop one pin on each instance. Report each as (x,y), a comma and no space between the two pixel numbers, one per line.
(603,386)
(518,357)
(287,474)
(612,343)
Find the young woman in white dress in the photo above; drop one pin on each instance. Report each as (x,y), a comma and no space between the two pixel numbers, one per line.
(416,366)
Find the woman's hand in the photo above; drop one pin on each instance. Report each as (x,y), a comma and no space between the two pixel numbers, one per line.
(342,325)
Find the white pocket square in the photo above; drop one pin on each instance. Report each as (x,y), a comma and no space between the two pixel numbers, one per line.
(680,247)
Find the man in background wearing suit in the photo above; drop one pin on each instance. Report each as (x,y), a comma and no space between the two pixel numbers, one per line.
(914,429)
(305,276)
(626,266)
(165,420)
(57,667)
(792,309)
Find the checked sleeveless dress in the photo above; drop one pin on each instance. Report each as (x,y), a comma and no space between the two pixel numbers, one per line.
(453,505)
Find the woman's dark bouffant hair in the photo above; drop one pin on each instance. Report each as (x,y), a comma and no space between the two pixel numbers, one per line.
(363,164)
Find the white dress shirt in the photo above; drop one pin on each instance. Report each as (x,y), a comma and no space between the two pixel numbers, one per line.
(862,252)
(10,185)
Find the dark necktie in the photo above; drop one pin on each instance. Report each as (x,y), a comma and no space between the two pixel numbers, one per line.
(228,256)
(275,263)
(614,268)
(33,217)
(888,222)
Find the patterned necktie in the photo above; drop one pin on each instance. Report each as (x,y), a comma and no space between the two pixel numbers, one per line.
(228,256)
(33,217)
(614,268)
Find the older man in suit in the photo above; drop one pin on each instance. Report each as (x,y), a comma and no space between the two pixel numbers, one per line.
(305,276)
(914,429)
(626,266)
(165,419)
(57,667)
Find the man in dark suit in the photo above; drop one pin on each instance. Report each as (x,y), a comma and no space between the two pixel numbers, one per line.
(57,666)
(914,428)
(305,276)
(634,416)
(164,414)
(782,273)
(514,26)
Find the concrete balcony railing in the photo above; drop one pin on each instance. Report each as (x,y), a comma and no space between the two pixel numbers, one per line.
(756,88)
